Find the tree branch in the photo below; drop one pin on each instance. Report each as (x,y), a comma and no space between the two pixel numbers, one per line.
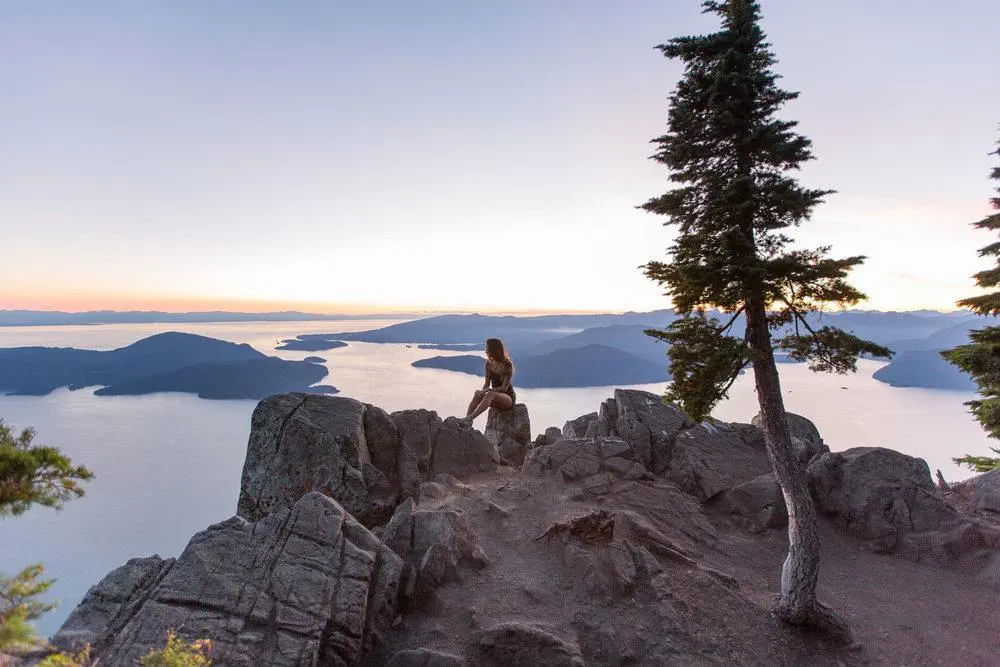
(732,319)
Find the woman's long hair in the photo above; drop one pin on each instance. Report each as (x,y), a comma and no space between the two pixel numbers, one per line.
(496,352)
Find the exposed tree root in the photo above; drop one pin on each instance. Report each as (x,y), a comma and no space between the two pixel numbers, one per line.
(821,619)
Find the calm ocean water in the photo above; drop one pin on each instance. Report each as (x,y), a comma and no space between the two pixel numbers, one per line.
(168,465)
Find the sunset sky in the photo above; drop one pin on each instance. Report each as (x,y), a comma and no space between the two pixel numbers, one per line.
(454,155)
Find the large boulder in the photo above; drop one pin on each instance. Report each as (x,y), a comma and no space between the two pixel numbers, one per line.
(461,451)
(758,504)
(347,450)
(703,459)
(577,428)
(513,423)
(642,419)
(418,432)
(806,440)
(432,543)
(449,446)
(888,500)
(510,432)
(306,585)
(712,457)
(553,435)
(304,442)
(365,459)
(596,464)
(980,493)
(390,454)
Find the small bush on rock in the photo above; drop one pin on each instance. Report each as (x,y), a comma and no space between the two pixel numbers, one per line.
(177,653)
(79,659)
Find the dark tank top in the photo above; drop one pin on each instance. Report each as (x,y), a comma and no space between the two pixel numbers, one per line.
(497,380)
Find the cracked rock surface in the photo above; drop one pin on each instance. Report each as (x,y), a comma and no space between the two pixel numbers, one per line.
(304,586)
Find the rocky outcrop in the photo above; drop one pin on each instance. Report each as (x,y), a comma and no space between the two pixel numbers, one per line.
(647,423)
(460,451)
(712,457)
(432,543)
(301,443)
(418,432)
(306,585)
(510,432)
(577,428)
(702,459)
(551,436)
(595,463)
(889,501)
(624,572)
(448,446)
(677,514)
(106,600)
(758,504)
(367,460)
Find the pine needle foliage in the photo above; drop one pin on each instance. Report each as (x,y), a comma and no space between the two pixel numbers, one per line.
(19,606)
(980,357)
(35,474)
(731,159)
(30,474)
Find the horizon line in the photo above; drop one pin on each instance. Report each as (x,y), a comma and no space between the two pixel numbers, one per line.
(375,314)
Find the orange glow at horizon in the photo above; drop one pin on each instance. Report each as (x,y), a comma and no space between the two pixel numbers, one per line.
(83,303)
(75,303)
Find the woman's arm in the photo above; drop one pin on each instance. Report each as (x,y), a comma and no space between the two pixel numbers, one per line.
(486,375)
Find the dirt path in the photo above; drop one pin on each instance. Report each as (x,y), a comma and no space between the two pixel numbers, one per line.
(902,613)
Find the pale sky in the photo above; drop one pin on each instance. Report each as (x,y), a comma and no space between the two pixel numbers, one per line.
(344,156)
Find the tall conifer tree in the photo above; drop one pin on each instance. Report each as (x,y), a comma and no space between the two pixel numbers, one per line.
(980,358)
(730,158)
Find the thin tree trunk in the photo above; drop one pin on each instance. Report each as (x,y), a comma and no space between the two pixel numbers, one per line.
(797,604)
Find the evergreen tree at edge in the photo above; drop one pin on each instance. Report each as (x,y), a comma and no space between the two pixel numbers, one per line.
(729,157)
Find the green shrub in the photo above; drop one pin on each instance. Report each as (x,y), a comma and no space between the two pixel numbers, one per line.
(177,653)
(79,659)
(18,607)
(30,474)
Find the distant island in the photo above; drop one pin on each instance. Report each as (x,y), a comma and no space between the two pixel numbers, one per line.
(587,366)
(310,344)
(452,347)
(315,360)
(48,318)
(925,369)
(918,362)
(169,361)
(535,337)
(537,334)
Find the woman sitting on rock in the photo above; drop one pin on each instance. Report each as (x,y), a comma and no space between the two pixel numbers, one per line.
(497,391)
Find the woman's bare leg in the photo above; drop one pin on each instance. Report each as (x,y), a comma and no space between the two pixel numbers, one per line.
(492,399)
(476,400)
(502,401)
(483,406)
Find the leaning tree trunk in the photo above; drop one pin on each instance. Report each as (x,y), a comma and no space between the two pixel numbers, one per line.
(797,604)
